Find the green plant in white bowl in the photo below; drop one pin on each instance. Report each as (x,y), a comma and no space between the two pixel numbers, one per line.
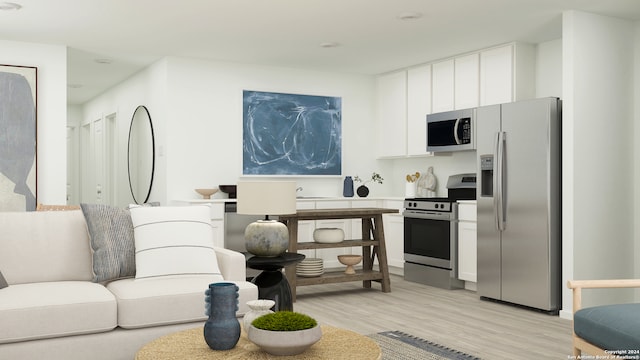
(284,332)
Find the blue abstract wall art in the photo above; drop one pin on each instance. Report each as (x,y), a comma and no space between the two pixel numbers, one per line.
(290,134)
(18,138)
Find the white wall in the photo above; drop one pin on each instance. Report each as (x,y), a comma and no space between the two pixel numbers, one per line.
(196,107)
(598,176)
(148,87)
(203,142)
(51,61)
(549,69)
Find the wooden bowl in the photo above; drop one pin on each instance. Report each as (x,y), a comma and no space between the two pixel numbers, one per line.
(350,261)
(206,193)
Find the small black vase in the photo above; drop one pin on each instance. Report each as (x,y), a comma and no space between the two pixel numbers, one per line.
(362,191)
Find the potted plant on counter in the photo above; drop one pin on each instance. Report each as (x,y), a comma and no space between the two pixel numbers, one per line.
(363,190)
(284,332)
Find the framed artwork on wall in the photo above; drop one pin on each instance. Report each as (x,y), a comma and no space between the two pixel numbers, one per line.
(291,134)
(18,132)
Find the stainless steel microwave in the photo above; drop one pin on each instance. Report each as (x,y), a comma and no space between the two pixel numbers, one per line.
(451,131)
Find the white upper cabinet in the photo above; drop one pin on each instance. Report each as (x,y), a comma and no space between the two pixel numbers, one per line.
(507,73)
(392,114)
(404,98)
(467,81)
(443,86)
(418,106)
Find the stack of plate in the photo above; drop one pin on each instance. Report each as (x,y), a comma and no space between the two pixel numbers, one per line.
(310,267)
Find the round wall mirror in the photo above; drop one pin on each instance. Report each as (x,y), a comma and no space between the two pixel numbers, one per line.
(141,155)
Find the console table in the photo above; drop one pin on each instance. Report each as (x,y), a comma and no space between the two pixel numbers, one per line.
(372,244)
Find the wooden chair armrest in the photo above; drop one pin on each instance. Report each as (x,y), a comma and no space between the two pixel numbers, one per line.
(578,285)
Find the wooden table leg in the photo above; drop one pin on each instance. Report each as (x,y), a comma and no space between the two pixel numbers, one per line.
(290,271)
(367,260)
(382,253)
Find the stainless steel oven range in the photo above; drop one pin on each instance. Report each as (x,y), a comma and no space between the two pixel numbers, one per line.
(431,235)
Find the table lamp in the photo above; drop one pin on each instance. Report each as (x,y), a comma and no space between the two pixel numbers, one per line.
(268,238)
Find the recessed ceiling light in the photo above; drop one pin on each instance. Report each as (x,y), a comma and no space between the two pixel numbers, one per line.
(410,15)
(103,61)
(8,6)
(329,44)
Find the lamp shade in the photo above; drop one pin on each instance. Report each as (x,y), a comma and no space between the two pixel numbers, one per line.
(266,197)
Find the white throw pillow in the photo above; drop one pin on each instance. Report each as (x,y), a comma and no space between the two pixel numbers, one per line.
(173,241)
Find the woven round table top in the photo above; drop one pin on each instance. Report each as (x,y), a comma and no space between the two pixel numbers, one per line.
(335,343)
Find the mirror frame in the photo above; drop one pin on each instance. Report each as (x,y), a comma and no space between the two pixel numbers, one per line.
(153,154)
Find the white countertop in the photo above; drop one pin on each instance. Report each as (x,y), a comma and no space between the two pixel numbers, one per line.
(307,198)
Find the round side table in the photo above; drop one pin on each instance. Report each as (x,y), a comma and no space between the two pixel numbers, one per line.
(335,343)
(271,283)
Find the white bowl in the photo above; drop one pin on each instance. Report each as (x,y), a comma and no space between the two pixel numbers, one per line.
(284,342)
(328,235)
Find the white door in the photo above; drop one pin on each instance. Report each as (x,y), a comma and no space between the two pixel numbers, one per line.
(97,161)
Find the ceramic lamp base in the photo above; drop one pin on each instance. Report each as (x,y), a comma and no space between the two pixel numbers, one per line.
(267,238)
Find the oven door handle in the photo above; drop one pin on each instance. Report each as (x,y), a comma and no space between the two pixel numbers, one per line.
(427,215)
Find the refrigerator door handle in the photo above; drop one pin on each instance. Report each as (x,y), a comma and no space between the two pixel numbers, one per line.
(496,189)
(455,131)
(499,182)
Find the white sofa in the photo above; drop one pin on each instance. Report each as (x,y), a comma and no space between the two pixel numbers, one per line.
(53,308)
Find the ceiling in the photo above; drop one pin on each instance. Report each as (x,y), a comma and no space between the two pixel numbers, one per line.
(370,36)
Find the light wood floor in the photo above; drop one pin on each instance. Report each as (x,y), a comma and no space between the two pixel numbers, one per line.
(454,318)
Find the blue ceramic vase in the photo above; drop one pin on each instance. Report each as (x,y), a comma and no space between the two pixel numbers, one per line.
(222,329)
(347,187)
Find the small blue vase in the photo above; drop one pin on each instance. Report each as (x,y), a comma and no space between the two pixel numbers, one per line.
(222,329)
(347,188)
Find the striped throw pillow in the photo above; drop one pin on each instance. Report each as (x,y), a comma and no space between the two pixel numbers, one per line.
(174,241)
(111,235)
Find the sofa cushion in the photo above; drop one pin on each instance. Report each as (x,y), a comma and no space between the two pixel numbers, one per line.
(40,246)
(54,309)
(111,233)
(610,327)
(173,241)
(169,299)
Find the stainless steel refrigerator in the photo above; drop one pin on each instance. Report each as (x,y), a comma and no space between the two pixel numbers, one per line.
(519,203)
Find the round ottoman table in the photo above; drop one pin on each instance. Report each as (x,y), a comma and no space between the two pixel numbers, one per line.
(335,343)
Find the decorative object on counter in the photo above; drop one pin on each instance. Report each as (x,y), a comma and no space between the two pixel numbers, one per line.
(231,190)
(258,308)
(347,187)
(267,238)
(222,329)
(427,183)
(350,261)
(328,235)
(430,182)
(410,186)
(206,193)
(284,333)
(310,267)
(363,190)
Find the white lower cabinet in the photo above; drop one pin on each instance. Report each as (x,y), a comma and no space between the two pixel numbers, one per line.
(393,229)
(467,241)
(306,227)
